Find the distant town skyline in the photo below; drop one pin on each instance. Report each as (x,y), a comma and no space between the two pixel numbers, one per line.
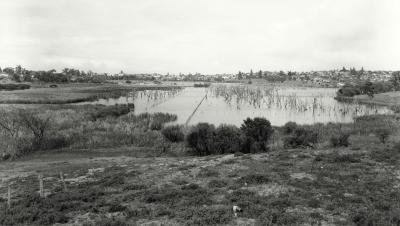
(209,37)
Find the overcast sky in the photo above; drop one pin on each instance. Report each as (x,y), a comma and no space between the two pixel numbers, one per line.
(208,36)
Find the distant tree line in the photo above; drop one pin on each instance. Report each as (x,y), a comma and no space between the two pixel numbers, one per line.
(370,88)
(20,74)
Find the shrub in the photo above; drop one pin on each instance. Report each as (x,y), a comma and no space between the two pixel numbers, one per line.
(173,133)
(201,139)
(111,111)
(395,108)
(156,125)
(341,140)
(255,179)
(227,139)
(11,86)
(36,124)
(257,133)
(302,138)
(349,91)
(289,128)
(382,134)
(55,142)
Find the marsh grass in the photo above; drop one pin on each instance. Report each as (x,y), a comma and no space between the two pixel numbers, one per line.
(75,128)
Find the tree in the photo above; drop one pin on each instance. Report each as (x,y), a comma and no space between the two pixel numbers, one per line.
(369,89)
(18,70)
(257,133)
(201,139)
(343,69)
(396,80)
(240,75)
(36,124)
(353,71)
(27,77)
(16,77)
(259,74)
(0,70)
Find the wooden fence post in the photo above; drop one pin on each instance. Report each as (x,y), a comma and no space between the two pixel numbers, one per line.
(41,192)
(63,181)
(9,197)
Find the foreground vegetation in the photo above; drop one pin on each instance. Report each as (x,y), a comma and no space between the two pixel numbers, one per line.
(332,174)
(356,185)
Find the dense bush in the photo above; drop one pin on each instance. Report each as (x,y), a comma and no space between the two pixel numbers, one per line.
(382,134)
(227,139)
(340,140)
(173,133)
(55,142)
(367,87)
(257,133)
(253,136)
(110,111)
(289,128)
(349,91)
(302,138)
(11,86)
(201,139)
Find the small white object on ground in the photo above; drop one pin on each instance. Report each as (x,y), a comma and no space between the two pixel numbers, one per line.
(236,209)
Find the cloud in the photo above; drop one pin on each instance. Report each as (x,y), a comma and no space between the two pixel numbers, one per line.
(209,36)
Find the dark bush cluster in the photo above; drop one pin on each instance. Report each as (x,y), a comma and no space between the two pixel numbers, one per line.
(253,136)
(159,119)
(367,87)
(11,86)
(289,128)
(340,140)
(173,133)
(383,134)
(301,138)
(111,111)
(257,133)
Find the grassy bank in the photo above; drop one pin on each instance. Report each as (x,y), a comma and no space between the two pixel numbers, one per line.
(386,99)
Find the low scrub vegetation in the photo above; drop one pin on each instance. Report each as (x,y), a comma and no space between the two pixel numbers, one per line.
(11,86)
(365,87)
(173,133)
(79,127)
(301,138)
(340,140)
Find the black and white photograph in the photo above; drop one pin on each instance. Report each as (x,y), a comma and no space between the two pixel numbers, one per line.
(199,112)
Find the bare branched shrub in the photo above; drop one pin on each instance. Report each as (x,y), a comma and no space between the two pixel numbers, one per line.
(36,124)
(23,130)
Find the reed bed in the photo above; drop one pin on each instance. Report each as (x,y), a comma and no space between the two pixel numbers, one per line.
(275,98)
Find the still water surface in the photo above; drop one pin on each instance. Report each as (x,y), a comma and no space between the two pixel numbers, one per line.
(232,103)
